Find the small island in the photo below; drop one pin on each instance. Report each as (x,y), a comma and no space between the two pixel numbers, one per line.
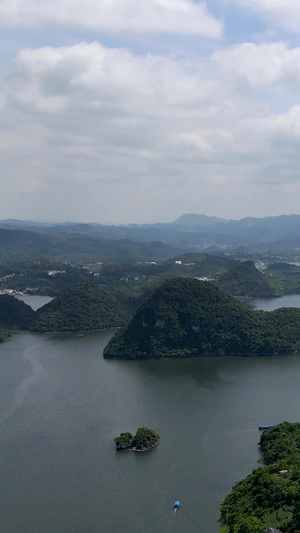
(143,440)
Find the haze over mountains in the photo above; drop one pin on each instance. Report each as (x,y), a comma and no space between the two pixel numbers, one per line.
(277,233)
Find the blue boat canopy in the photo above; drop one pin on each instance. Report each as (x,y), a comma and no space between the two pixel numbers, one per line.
(176,504)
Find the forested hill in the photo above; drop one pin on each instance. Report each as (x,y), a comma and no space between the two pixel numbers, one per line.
(269,496)
(14,313)
(245,280)
(81,308)
(187,317)
(20,245)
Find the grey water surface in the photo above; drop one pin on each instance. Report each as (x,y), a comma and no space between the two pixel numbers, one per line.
(62,404)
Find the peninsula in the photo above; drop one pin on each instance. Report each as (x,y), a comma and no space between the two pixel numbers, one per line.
(269,496)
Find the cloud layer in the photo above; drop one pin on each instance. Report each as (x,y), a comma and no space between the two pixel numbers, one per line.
(99,126)
(111,16)
(103,130)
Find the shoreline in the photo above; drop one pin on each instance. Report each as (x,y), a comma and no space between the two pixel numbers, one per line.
(144,449)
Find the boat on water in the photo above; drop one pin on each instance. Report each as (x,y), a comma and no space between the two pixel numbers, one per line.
(263,426)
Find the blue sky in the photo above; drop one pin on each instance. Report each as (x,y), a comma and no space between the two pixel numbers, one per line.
(143,110)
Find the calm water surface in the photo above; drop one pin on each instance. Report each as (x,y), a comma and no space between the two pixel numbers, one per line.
(35,301)
(269,304)
(61,405)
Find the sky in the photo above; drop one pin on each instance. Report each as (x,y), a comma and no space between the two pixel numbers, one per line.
(122,111)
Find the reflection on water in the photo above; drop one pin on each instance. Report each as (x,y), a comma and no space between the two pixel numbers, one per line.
(62,404)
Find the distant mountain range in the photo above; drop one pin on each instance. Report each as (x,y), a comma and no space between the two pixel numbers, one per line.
(190,231)
(23,245)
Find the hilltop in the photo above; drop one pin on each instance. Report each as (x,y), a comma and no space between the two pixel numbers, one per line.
(187,317)
(81,308)
(245,280)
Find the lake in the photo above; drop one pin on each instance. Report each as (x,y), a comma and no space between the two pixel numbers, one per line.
(35,301)
(269,304)
(62,404)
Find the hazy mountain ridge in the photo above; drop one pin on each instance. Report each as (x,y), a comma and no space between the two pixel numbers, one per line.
(189,229)
(19,244)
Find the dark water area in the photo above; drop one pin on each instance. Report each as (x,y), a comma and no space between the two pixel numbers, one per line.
(62,404)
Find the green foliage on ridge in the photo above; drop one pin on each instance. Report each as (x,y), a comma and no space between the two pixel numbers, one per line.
(14,313)
(187,317)
(20,245)
(81,308)
(286,277)
(270,496)
(245,280)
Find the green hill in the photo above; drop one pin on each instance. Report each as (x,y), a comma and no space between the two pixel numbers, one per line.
(20,245)
(81,308)
(245,280)
(186,317)
(269,497)
(14,313)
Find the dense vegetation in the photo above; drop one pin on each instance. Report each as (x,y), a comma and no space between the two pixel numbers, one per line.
(144,439)
(42,277)
(187,317)
(132,282)
(245,280)
(270,496)
(14,313)
(20,245)
(285,277)
(81,308)
(129,282)
(4,335)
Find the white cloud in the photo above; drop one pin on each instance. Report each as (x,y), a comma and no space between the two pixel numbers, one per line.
(261,65)
(95,128)
(110,16)
(283,13)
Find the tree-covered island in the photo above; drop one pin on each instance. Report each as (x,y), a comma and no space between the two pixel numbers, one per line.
(270,496)
(192,318)
(143,440)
